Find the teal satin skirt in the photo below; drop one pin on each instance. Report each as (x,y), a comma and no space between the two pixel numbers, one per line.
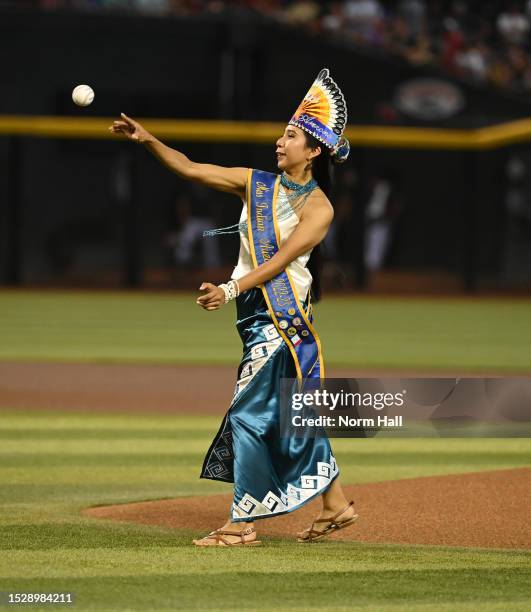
(272,475)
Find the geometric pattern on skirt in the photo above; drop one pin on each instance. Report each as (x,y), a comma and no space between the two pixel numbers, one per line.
(219,461)
(311,485)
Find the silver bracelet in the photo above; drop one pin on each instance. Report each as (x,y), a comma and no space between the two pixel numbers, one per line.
(231,290)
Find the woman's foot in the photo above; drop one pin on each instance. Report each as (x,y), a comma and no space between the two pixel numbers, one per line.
(340,515)
(238,534)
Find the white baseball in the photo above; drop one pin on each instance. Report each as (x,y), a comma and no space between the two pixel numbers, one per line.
(83,95)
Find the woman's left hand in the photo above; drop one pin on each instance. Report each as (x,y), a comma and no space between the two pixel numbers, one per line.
(213,298)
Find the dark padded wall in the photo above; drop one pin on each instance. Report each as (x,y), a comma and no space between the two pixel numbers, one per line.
(209,68)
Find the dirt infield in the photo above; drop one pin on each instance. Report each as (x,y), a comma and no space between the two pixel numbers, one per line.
(117,388)
(481,509)
(140,388)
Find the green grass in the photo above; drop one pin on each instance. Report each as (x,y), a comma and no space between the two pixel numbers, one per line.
(53,464)
(427,334)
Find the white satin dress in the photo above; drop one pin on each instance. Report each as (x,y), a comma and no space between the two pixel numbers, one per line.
(297,269)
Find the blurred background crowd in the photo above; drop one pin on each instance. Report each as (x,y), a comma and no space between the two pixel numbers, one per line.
(409,215)
(487,42)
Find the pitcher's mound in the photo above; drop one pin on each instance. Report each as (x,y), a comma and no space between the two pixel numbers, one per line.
(481,509)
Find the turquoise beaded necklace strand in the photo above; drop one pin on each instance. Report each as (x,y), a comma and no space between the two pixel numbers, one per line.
(300,193)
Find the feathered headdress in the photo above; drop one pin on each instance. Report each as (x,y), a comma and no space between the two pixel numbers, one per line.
(323,114)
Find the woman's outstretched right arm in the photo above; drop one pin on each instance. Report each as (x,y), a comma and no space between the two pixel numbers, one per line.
(232,180)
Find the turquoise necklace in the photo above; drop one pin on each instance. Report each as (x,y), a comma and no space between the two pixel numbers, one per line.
(291,202)
(298,189)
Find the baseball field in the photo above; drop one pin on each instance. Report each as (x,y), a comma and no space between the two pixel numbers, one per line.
(109,401)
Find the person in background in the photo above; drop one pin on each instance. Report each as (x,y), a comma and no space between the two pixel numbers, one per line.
(189,235)
(381,212)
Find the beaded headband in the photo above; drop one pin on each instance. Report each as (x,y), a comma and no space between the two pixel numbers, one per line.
(323,114)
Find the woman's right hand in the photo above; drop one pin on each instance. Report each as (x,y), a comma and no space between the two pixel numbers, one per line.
(130,128)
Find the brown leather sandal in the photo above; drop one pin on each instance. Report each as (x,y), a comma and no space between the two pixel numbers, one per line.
(218,534)
(335,525)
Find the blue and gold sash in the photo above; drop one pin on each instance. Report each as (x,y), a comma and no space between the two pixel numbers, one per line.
(290,319)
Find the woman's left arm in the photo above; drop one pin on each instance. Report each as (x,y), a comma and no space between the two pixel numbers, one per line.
(310,231)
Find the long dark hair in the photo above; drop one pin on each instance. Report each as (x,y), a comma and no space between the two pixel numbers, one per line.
(323,173)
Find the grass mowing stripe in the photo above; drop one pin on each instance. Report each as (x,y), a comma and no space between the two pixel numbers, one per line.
(90,494)
(423,333)
(101,434)
(52,421)
(108,461)
(44,425)
(113,475)
(353,475)
(155,446)
(134,447)
(87,551)
(321,588)
(47,423)
(499,606)
(131,487)
(191,459)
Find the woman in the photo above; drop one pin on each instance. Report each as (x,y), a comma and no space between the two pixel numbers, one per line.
(284,218)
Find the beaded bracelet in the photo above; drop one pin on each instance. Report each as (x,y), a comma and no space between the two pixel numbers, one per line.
(231,290)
